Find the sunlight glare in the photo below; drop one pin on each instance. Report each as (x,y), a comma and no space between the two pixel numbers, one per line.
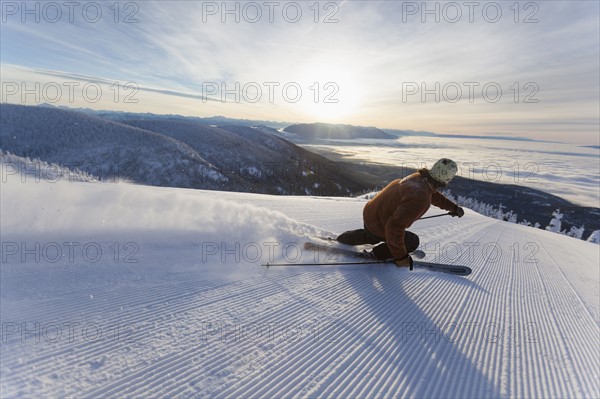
(333,91)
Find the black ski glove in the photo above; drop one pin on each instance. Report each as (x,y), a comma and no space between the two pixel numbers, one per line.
(458,211)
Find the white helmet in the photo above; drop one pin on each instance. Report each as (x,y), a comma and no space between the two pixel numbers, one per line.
(444,170)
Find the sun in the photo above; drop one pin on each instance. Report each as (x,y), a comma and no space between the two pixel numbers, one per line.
(332,91)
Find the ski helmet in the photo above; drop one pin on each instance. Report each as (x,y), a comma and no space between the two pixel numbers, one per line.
(444,170)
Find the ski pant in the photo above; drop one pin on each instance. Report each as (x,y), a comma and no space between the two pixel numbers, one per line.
(381,251)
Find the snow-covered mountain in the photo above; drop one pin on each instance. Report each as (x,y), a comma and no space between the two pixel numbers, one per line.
(262,162)
(116,290)
(176,152)
(102,148)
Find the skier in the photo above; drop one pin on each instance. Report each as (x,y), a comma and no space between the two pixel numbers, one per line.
(394,209)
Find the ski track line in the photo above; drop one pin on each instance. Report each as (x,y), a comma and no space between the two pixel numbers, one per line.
(302,356)
(556,292)
(582,302)
(511,351)
(74,273)
(532,300)
(61,350)
(414,277)
(427,296)
(522,311)
(283,315)
(384,314)
(185,355)
(428,307)
(72,306)
(218,356)
(212,394)
(521,283)
(173,301)
(358,362)
(219,362)
(167,306)
(455,230)
(460,316)
(438,240)
(414,347)
(557,288)
(471,317)
(50,303)
(94,349)
(388,323)
(549,346)
(345,333)
(434,309)
(530,309)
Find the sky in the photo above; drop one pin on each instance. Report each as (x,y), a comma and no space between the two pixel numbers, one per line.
(526,69)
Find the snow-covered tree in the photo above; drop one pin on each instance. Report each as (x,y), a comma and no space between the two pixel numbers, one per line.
(594,237)
(510,217)
(576,232)
(483,208)
(498,212)
(555,223)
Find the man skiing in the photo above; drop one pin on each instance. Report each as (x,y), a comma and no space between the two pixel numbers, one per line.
(394,209)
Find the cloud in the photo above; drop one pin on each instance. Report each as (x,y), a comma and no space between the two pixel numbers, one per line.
(100,80)
(175,47)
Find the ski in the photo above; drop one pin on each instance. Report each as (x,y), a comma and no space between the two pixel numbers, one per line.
(416,254)
(334,250)
(313,246)
(368,259)
(458,270)
(267,265)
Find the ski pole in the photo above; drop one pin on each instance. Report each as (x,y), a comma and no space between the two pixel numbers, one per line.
(326,264)
(435,216)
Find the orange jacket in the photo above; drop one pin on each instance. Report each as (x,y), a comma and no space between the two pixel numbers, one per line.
(398,205)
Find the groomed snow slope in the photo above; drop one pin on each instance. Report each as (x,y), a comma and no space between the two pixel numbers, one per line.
(116,290)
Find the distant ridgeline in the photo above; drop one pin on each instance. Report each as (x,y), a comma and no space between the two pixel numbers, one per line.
(326,131)
(188,152)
